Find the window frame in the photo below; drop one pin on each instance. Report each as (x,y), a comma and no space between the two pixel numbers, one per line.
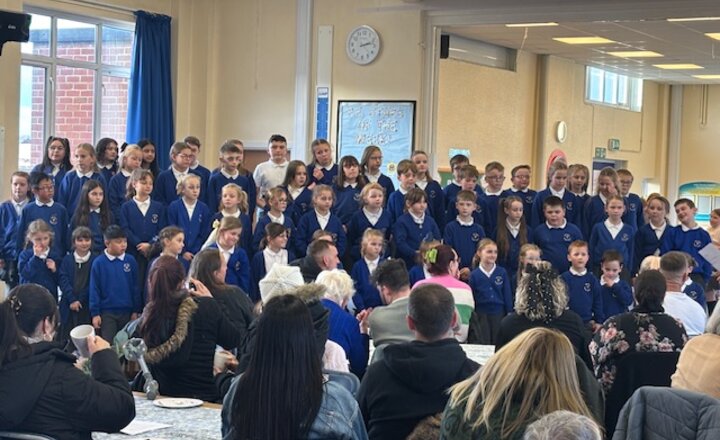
(51,62)
(630,100)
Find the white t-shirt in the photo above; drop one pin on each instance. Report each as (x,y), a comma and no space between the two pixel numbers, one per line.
(682,307)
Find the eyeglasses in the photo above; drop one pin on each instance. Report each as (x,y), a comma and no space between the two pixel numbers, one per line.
(185,156)
(45,188)
(495,177)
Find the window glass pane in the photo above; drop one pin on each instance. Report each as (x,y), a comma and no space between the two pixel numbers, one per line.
(76,40)
(116,47)
(74,103)
(716,202)
(113,113)
(703,204)
(32,116)
(637,95)
(623,98)
(610,95)
(595,84)
(39,43)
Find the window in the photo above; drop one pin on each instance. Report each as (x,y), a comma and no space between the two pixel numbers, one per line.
(612,89)
(74,81)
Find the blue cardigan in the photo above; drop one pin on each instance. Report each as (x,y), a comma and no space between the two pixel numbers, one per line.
(328,175)
(32,269)
(114,286)
(298,207)
(464,239)
(218,181)
(675,239)
(66,282)
(71,186)
(246,236)
(98,242)
(8,225)
(238,269)
(165,187)
(347,202)
(366,294)
(260,230)
(409,235)
(309,224)
(594,213)
(117,189)
(196,228)
(139,228)
(436,202)
(696,292)
(55,215)
(601,240)
(585,296)
(554,243)
(492,294)
(359,223)
(396,205)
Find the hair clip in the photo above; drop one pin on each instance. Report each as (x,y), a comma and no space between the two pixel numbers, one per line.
(431,255)
(15,304)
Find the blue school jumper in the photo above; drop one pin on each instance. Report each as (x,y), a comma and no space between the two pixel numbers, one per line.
(117,189)
(196,228)
(647,243)
(347,202)
(492,294)
(260,231)
(359,223)
(464,239)
(492,202)
(481,214)
(66,281)
(366,293)
(436,202)
(387,184)
(696,292)
(71,186)
(408,236)
(601,240)
(98,242)
(634,211)
(165,187)
(328,175)
(527,197)
(238,269)
(594,213)
(246,235)
(572,208)
(139,228)
(8,230)
(554,243)
(416,273)
(258,269)
(616,299)
(55,215)
(511,261)
(214,190)
(309,224)
(396,205)
(114,285)
(57,178)
(32,269)
(109,173)
(585,296)
(450,193)
(298,207)
(690,241)
(204,174)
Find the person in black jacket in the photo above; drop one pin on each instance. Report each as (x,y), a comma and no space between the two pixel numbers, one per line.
(42,390)
(411,380)
(182,331)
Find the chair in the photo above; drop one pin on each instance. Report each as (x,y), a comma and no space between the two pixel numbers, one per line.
(22,436)
(635,370)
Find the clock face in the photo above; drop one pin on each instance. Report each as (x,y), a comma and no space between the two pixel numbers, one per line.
(363,45)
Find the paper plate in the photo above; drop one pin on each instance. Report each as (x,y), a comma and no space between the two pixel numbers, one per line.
(177,402)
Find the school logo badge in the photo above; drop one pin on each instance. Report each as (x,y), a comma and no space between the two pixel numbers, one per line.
(529,199)
(334,237)
(155,218)
(475,236)
(498,280)
(478,209)
(587,287)
(53,219)
(633,207)
(625,237)
(357,197)
(126,267)
(569,206)
(237,265)
(567,237)
(697,244)
(432,194)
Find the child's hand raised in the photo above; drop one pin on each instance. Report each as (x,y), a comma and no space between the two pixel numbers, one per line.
(318,173)
(50,263)
(39,249)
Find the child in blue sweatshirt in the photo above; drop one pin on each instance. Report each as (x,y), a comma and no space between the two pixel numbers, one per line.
(689,237)
(617,294)
(406,172)
(612,234)
(117,187)
(234,202)
(277,202)
(491,290)
(371,216)
(46,209)
(229,172)
(348,185)
(370,166)
(424,181)
(650,236)
(226,238)
(414,227)
(555,234)
(56,161)
(165,187)
(85,169)
(299,195)
(39,264)
(691,288)
(557,175)
(520,178)
(114,297)
(468,182)
(462,233)
(321,217)
(494,178)
(511,235)
(192,215)
(92,212)
(634,215)
(367,294)
(577,183)
(584,293)
(74,281)
(457,162)
(195,168)
(322,170)
(106,151)
(10,211)
(272,250)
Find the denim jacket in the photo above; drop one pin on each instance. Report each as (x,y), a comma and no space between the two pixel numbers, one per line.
(338,418)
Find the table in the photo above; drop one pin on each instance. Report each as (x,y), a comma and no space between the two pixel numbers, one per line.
(200,423)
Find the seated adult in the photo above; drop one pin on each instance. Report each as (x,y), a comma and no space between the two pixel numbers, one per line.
(673,266)
(699,363)
(541,300)
(533,375)
(387,323)
(182,331)
(42,390)
(443,264)
(282,393)
(411,381)
(563,425)
(644,329)
(344,328)
(209,267)
(321,255)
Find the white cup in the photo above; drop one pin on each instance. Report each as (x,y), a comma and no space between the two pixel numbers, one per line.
(220,359)
(79,337)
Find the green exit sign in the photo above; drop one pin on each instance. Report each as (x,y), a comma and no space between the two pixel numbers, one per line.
(600,153)
(614,144)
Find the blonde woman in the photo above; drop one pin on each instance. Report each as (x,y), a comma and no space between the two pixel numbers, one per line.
(533,375)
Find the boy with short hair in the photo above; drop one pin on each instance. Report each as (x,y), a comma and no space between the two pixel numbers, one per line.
(228,172)
(616,294)
(555,234)
(45,208)
(406,173)
(271,173)
(10,211)
(584,293)
(114,290)
(520,178)
(691,288)
(195,168)
(469,176)
(463,234)
(689,237)
(494,178)
(452,188)
(634,215)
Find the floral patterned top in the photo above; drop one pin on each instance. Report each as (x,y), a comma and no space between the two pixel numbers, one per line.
(638,331)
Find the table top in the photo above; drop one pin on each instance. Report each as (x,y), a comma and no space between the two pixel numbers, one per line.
(199,423)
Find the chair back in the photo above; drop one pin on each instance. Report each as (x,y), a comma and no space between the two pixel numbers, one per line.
(635,370)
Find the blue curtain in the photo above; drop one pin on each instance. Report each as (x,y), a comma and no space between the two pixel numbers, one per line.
(150,110)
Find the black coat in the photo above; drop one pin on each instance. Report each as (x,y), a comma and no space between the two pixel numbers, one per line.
(46,394)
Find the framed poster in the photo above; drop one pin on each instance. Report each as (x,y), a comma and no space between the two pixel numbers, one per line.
(388,124)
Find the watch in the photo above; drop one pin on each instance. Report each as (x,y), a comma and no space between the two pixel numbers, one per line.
(363,45)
